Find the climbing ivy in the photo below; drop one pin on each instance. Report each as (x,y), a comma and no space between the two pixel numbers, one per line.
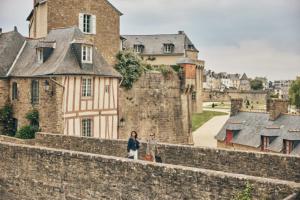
(6,121)
(246,194)
(130,66)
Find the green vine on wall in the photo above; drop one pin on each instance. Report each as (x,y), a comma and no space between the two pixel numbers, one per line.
(28,132)
(130,66)
(246,194)
(6,121)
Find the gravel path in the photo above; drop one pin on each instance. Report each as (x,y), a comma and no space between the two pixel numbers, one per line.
(204,136)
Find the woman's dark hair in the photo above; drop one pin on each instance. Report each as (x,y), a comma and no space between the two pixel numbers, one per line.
(134,132)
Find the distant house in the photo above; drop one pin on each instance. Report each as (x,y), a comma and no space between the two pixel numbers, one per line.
(171,50)
(272,131)
(244,83)
(163,49)
(281,88)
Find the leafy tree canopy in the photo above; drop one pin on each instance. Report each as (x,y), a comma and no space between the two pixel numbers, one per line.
(294,93)
(256,84)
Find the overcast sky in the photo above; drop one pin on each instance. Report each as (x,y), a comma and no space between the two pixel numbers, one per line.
(259,37)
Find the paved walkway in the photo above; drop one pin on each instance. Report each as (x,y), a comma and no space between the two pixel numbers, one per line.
(204,136)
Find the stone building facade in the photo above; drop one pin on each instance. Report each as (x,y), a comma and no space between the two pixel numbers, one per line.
(66,80)
(104,17)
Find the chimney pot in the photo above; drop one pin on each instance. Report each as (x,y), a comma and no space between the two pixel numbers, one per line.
(15,29)
(276,107)
(0,30)
(236,106)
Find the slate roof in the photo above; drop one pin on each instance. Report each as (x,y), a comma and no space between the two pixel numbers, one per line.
(153,44)
(254,125)
(10,44)
(244,77)
(62,60)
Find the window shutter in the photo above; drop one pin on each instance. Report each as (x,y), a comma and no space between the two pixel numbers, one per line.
(80,21)
(94,28)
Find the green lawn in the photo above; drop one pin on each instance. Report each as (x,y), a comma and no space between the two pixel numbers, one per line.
(200,118)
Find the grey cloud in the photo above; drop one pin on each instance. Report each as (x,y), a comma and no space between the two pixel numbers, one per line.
(214,26)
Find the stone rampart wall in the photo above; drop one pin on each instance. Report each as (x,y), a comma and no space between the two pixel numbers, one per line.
(277,166)
(29,172)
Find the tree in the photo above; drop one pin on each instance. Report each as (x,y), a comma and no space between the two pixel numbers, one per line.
(256,84)
(130,66)
(294,93)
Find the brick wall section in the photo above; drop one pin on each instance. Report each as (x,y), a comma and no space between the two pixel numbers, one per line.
(40,173)
(155,104)
(49,106)
(107,38)
(275,166)
(4,92)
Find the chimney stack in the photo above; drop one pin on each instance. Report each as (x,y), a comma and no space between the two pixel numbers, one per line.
(236,106)
(15,29)
(0,31)
(180,32)
(276,107)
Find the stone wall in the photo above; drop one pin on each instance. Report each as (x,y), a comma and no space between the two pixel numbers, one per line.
(49,106)
(4,92)
(277,166)
(252,96)
(4,138)
(155,104)
(41,173)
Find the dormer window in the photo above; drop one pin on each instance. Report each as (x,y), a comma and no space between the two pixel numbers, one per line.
(168,48)
(40,55)
(87,23)
(87,54)
(138,48)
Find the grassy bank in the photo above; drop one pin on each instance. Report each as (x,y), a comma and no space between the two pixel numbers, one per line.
(201,118)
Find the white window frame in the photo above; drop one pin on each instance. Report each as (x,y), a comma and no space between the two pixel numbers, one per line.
(86,130)
(86,88)
(138,48)
(87,54)
(40,56)
(87,23)
(168,48)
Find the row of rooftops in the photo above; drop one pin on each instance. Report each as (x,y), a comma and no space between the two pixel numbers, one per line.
(224,75)
(18,55)
(249,127)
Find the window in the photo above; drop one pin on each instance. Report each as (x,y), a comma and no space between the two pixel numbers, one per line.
(265,143)
(107,88)
(289,145)
(34,92)
(168,48)
(138,48)
(87,127)
(87,54)
(86,87)
(15,125)
(229,136)
(40,56)
(14,94)
(194,96)
(87,23)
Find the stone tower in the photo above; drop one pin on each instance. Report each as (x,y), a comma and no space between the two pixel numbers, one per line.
(97,18)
